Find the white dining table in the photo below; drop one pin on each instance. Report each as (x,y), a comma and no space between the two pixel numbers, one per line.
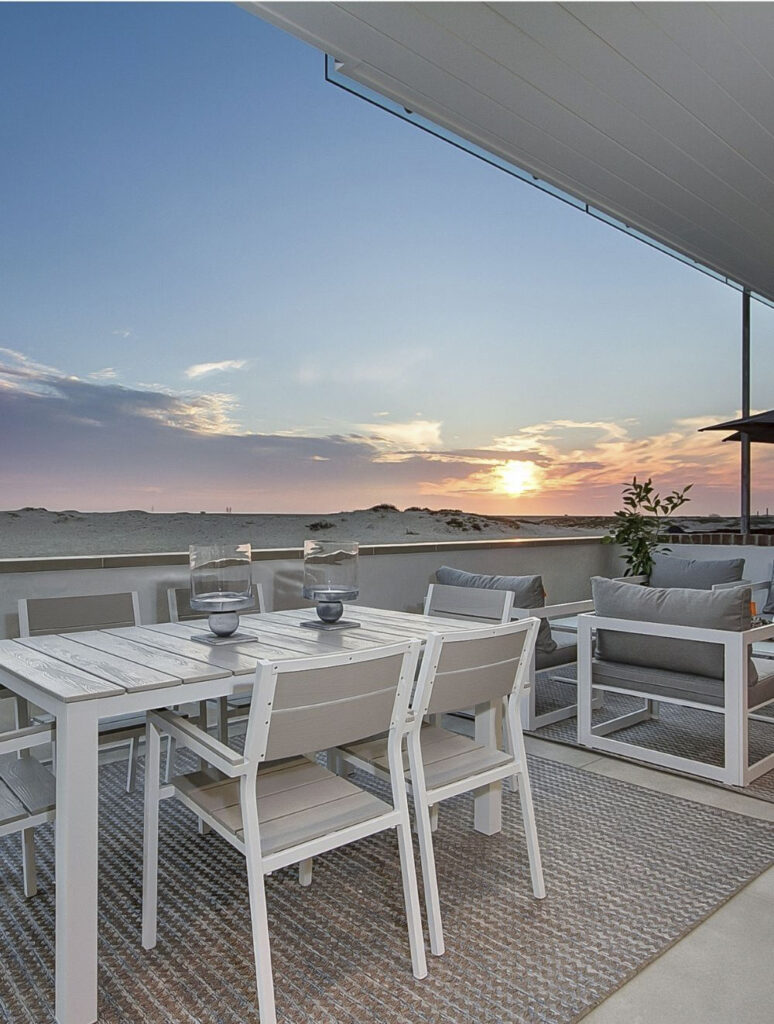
(82,678)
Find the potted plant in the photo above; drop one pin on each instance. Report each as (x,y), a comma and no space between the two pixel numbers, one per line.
(638,525)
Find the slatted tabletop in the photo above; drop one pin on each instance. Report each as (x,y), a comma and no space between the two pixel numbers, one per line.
(108,663)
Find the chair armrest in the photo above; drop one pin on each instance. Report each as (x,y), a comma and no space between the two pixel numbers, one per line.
(186,734)
(554,611)
(24,739)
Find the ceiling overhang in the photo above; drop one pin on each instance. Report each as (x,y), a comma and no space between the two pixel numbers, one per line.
(658,116)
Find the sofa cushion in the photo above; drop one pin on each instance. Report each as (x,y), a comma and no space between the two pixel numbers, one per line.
(710,609)
(694,573)
(527,590)
(657,682)
(565,652)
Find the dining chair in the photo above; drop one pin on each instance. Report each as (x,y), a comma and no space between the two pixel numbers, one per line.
(228,709)
(42,616)
(472,667)
(27,793)
(278,807)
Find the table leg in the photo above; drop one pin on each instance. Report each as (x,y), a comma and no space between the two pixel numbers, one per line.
(487,801)
(76,864)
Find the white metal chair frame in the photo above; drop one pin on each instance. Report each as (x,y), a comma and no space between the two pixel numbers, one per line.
(736,647)
(468,603)
(515,768)
(267,702)
(112,734)
(21,807)
(530,719)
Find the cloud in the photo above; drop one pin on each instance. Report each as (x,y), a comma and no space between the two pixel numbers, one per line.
(107,374)
(204,369)
(418,435)
(122,332)
(94,444)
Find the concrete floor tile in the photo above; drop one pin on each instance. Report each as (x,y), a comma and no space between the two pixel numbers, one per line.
(721,973)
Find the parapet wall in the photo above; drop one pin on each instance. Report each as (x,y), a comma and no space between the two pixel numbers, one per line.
(391,575)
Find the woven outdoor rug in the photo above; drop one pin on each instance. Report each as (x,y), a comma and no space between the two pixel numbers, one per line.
(686,732)
(628,872)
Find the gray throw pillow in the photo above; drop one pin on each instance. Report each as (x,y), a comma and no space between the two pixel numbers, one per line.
(711,609)
(527,590)
(694,573)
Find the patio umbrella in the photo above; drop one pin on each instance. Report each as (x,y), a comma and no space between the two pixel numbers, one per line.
(749,429)
(758,428)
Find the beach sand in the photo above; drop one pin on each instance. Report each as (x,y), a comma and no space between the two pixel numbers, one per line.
(35,532)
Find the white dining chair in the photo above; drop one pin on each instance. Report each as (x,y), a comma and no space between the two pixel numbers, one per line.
(285,812)
(27,793)
(472,667)
(43,616)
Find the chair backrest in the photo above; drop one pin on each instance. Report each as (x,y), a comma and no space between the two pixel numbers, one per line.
(39,616)
(469,603)
(180,610)
(462,669)
(314,704)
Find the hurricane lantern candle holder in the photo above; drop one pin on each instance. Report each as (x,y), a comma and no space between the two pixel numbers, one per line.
(330,578)
(221,586)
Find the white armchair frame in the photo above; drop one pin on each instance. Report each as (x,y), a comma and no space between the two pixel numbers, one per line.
(530,719)
(736,645)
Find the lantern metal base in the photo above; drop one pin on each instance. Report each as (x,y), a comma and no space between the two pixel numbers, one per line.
(340,624)
(222,641)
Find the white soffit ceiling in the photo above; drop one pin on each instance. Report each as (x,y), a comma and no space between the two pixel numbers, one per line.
(660,115)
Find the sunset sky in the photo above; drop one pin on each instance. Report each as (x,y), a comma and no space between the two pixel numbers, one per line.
(229,283)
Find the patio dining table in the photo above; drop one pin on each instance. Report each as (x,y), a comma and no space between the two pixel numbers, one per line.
(81,678)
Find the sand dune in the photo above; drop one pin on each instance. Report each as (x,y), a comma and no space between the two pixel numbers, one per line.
(31,532)
(36,532)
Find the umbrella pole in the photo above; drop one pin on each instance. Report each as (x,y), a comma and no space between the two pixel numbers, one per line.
(744,525)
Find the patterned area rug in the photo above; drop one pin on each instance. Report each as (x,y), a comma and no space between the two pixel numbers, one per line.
(686,732)
(628,872)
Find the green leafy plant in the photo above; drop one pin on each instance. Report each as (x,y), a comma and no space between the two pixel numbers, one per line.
(638,525)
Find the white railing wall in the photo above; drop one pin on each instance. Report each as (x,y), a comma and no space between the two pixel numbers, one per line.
(391,576)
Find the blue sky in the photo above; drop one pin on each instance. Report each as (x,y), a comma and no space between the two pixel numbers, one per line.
(230,283)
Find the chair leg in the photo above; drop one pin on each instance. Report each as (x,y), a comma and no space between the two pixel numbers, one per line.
(424,815)
(150,848)
(305,871)
(434,818)
(131,768)
(29,869)
(258,912)
(521,778)
(169,768)
(411,897)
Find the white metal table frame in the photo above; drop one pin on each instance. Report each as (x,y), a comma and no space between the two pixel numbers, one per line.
(77,717)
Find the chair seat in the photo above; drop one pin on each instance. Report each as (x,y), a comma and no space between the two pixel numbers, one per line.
(447,757)
(26,788)
(298,801)
(658,682)
(565,654)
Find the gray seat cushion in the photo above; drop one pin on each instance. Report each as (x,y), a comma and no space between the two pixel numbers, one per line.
(658,682)
(527,590)
(711,609)
(693,573)
(565,652)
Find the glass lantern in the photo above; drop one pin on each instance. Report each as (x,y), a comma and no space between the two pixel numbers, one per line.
(330,578)
(221,585)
